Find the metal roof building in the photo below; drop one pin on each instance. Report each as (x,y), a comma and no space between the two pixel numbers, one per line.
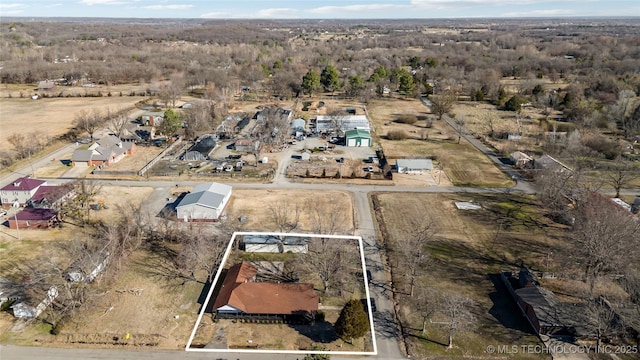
(205,203)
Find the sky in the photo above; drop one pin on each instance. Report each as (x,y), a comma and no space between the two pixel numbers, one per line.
(319,9)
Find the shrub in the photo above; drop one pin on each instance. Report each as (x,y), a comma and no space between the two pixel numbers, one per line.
(397,135)
(407,119)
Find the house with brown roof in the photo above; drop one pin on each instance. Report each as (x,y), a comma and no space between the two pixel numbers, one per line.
(20,191)
(242,296)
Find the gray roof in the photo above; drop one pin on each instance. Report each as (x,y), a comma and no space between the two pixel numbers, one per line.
(82,155)
(295,240)
(208,195)
(260,239)
(213,187)
(425,164)
(204,198)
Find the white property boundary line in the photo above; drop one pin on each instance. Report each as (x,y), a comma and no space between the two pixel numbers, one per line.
(300,352)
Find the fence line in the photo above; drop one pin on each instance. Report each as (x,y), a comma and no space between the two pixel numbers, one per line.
(160,156)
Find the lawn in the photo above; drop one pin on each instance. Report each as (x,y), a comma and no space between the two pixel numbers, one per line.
(470,248)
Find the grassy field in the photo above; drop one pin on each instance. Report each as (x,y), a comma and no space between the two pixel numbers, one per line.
(470,248)
(463,163)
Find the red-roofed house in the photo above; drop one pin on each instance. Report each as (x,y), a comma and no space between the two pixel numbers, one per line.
(32,218)
(20,191)
(241,296)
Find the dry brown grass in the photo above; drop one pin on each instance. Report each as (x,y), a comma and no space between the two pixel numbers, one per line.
(254,204)
(469,248)
(463,163)
(52,116)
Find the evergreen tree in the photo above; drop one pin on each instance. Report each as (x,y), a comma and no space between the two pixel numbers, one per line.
(330,78)
(352,322)
(310,82)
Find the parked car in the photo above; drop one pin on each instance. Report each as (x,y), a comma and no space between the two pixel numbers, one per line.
(369,276)
(368,169)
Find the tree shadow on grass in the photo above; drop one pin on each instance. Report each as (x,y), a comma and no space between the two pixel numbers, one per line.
(319,332)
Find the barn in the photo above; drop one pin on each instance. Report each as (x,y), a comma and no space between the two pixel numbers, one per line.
(205,203)
(357,137)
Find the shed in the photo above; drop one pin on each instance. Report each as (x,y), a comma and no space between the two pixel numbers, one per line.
(521,160)
(295,244)
(413,166)
(357,137)
(261,243)
(205,203)
(306,156)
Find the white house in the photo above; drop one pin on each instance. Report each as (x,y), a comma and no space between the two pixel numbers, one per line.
(261,243)
(205,203)
(20,191)
(413,166)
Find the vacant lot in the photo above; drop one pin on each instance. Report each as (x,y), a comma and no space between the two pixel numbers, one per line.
(256,208)
(52,116)
(469,248)
(463,164)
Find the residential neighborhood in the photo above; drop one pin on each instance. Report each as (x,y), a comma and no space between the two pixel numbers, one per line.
(315,189)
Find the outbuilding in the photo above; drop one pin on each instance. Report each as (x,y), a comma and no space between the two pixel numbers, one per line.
(205,203)
(261,244)
(413,166)
(357,137)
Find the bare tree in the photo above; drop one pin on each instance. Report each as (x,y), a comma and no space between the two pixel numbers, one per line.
(603,321)
(325,258)
(117,121)
(171,91)
(201,251)
(427,301)
(198,119)
(460,122)
(89,121)
(459,317)
(285,215)
(415,256)
(441,104)
(606,236)
(78,207)
(20,144)
(621,174)
(326,217)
